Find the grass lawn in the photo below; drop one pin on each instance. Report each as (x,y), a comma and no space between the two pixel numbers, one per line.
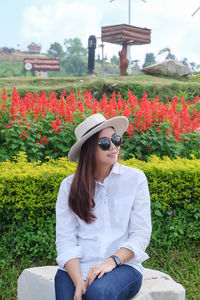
(154,84)
(183,265)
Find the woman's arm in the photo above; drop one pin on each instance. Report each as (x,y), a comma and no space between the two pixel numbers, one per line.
(66,228)
(108,265)
(124,254)
(140,222)
(74,270)
(67,246)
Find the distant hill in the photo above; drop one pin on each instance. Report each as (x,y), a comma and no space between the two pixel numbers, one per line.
(17,55)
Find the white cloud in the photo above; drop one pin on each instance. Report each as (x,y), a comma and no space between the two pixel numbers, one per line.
(60,20)
(172,26)
(171,22)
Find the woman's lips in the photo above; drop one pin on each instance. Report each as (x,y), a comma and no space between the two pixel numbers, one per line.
(112,154)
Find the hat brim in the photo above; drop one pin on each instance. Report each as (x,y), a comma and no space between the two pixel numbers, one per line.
(120,124)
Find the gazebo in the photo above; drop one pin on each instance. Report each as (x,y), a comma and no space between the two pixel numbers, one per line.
(125,35)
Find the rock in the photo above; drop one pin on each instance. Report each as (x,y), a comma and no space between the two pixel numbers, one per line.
(168,67)
(157,285)
(38,284)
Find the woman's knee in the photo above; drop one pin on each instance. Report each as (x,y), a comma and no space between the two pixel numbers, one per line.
(98,291)
(122,283)
(64,287)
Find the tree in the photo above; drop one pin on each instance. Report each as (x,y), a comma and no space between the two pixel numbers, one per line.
(74,47)
(195,67)
(56,51)
(149,59)
(114,60)
(76,57)
(184,61)
(75,66)
(8,50)
(98,58)
(169,54)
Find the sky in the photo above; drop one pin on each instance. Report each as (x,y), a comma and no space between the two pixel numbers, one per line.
(47,21)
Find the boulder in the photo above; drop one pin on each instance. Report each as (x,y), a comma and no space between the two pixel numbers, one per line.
(38,284)
(168,67)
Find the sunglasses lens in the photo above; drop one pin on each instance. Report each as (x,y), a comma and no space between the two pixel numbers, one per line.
(104,144)
(116,139)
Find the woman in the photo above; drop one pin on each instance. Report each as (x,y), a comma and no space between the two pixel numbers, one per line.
(103,223)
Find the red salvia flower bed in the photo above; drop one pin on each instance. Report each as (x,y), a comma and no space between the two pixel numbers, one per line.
(182,117)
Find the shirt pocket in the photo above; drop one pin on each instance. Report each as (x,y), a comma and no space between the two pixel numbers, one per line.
(122,210)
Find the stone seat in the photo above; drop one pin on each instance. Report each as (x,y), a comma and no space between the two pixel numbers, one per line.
(38,284)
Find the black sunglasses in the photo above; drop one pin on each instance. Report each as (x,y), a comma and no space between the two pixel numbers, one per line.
(105,143)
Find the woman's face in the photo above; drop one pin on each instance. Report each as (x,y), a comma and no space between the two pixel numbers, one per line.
(109,157)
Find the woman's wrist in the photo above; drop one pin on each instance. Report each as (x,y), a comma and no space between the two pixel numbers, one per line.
(111,261)
(78,281)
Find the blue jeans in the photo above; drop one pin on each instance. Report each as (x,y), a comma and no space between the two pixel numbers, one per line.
(122,283)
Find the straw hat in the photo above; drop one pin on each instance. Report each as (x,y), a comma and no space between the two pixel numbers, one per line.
(92,125)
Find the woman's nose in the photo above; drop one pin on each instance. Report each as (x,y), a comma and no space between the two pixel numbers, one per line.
(112,145)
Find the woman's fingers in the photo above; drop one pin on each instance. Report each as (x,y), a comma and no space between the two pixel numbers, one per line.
(78,296)
(101,274)
(92,274)
(80,291)
(98,271)
(88,278)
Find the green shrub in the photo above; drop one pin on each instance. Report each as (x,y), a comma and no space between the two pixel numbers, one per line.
(173,183)
(34,241)
(172,228)
(28,191)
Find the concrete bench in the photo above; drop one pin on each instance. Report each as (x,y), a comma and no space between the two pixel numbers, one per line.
(38,284)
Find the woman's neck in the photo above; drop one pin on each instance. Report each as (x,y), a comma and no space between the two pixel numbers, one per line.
(102,172)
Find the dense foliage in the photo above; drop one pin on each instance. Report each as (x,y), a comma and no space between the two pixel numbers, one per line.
(43,126)
(29,191)
(28,194)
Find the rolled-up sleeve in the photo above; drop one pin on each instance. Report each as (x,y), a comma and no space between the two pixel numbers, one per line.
(140,222)
(66,227)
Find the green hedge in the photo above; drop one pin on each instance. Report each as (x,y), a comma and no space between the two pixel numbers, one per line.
(172,182)
(138,84)
(97,90)
(28,191)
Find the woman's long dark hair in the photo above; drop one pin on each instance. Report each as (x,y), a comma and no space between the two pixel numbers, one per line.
(82,189)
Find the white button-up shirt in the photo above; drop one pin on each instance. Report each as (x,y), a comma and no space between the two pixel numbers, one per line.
(122,210)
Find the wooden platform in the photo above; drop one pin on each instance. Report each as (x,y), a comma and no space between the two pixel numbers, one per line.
(119,34)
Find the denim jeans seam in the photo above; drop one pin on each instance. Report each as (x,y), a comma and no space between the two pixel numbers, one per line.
(127,286)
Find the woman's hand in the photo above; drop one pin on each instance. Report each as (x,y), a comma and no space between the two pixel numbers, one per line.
(99,270)
(80,290)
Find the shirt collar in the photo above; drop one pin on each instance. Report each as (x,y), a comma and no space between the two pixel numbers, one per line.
(117,169)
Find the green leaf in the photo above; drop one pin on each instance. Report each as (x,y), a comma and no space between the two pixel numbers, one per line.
(158,213)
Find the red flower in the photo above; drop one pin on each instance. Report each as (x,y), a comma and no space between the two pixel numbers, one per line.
(149,148)
(56,126)
(130,130)
(39,142)
(46,141)
(23,136)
